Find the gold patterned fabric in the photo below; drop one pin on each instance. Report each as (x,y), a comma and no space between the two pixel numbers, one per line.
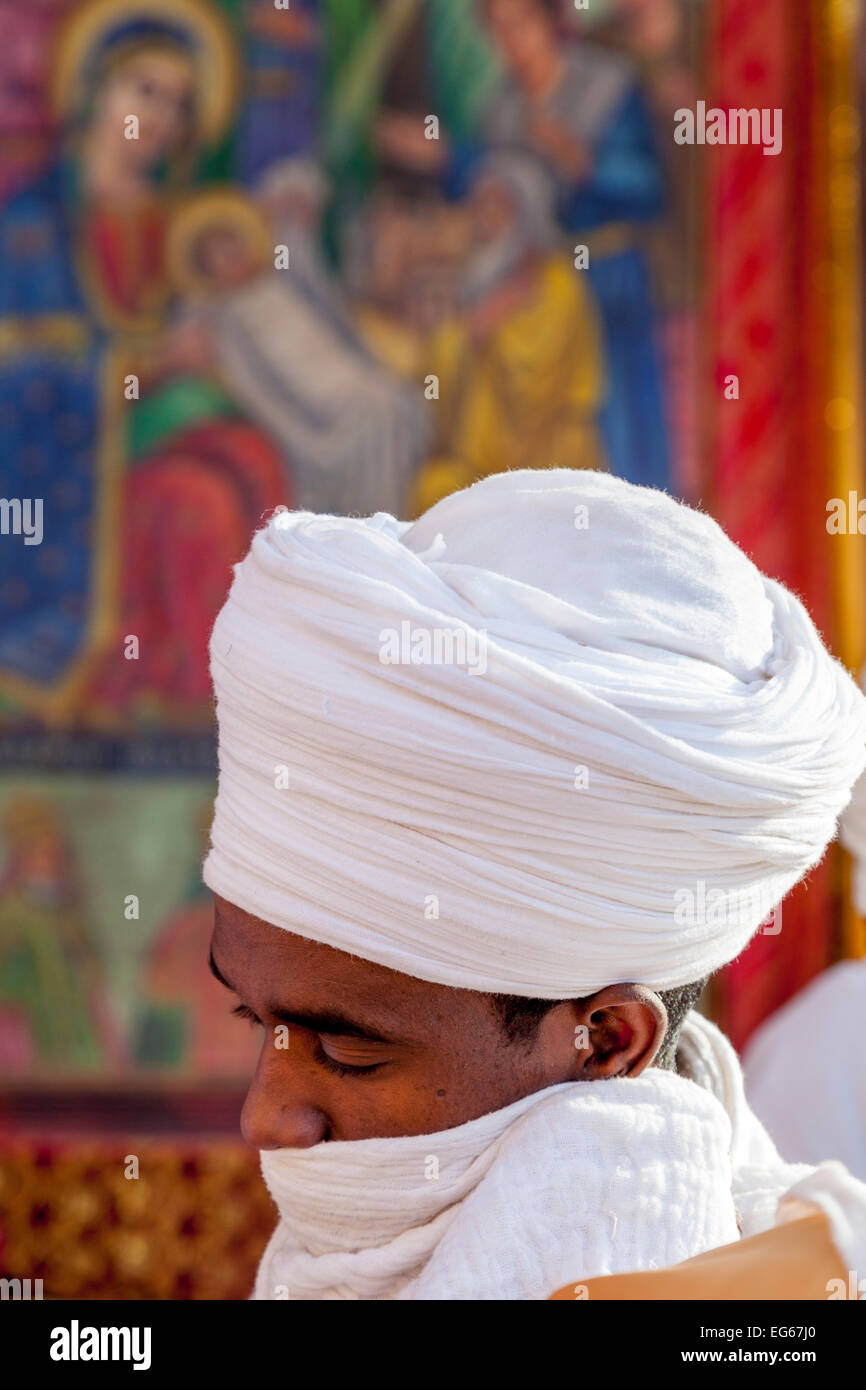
(192,1225)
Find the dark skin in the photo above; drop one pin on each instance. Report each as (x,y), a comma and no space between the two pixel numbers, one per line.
(372,1053)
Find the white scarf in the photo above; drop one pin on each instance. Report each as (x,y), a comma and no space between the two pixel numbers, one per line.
(654,750)
(575,1181)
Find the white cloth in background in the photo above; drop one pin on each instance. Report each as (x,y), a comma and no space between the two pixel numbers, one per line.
(353,432)
(804,1068)
(294,192)
(643,748)
(852,833)
(762,1180)
(575,1181)
(805,1072)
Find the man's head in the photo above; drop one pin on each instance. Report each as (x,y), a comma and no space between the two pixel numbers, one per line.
(656,750)
(366,1052)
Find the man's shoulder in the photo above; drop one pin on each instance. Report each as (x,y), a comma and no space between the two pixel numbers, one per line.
(597,1177)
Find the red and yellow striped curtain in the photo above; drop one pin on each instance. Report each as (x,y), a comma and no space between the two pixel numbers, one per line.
(783,312)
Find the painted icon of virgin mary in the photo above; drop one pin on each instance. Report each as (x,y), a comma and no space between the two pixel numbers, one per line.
(143,88)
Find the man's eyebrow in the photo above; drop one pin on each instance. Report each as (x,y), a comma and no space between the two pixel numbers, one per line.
(336,1024)
(217,974)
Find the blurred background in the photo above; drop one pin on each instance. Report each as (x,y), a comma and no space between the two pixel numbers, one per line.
(351,255)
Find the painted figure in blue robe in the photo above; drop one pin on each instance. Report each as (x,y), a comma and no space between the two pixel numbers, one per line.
(82,292)
(49,400)
(578,108)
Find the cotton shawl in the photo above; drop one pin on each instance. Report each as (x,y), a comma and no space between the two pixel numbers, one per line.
(576,1181)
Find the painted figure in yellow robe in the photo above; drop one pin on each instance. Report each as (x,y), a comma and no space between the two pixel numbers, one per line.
(520,371)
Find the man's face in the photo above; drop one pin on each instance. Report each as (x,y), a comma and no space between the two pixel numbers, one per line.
(370,1053)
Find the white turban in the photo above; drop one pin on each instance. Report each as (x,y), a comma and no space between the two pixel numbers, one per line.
(631,746)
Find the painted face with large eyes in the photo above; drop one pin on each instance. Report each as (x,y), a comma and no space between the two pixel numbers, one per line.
(156,85)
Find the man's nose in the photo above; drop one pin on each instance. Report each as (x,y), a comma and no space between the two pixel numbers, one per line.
(279,1112)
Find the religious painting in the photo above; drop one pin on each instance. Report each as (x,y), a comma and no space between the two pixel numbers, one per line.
(104,933)
(342,256)
(350,256)
(345,256)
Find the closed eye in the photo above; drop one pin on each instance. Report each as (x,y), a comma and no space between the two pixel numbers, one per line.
(244,1011)
(343,1068)
(322,1057)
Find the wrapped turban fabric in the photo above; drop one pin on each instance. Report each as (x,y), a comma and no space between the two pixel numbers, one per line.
(560,732)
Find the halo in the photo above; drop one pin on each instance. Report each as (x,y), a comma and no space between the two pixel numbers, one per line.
(211,50)
(223,206)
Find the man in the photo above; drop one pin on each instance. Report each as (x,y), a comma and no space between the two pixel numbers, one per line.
(470,770)
(521,379)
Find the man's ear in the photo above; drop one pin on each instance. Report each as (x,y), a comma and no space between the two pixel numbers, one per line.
(618,1031)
